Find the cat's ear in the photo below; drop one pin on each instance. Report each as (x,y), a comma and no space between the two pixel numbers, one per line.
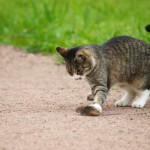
(61,51)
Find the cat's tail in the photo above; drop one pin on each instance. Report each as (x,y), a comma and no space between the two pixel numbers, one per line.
(147,28)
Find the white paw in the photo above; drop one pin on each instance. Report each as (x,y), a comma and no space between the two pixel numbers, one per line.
(96,106)
(121,103)
(94,109)
(138,104)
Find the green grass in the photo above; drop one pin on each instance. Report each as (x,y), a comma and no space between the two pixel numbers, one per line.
(40,26)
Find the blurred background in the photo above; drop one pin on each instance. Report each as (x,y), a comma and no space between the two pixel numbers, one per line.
(40,26)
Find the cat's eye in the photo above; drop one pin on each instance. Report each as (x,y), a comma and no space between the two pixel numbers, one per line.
(79,59)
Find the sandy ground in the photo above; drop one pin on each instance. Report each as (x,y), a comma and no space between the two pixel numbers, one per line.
(38,102)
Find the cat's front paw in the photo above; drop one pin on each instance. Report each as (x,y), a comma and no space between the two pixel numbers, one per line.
(121,103)
(138,104)
(90,97)
(94,109)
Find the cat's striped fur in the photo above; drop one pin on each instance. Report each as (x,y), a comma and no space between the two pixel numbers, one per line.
(122,60)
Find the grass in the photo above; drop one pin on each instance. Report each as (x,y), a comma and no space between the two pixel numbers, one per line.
(40,26)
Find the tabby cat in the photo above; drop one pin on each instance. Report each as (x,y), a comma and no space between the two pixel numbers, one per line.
(122,61)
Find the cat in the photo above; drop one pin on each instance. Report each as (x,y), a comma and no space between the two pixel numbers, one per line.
(122,61)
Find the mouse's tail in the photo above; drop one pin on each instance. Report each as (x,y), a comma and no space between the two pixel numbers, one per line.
(147,28)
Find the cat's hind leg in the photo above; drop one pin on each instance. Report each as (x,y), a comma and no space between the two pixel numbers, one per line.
(142,97)
(124,101)
(129,95)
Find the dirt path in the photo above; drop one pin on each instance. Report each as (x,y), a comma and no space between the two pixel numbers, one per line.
(38,102)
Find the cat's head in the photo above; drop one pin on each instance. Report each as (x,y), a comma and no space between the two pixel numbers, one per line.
(79,60)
